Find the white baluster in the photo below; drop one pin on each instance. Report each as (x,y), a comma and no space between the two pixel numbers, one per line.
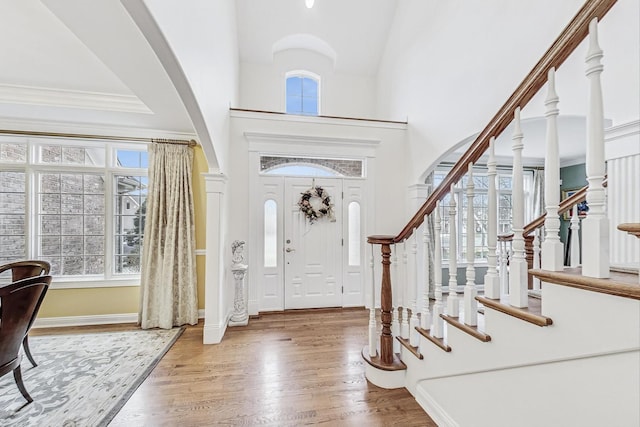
(425,320)
(453,305)
(491,279)
(397,298)
(518,295)
(415,321)
(404,328)
(536,259)
(595,227)
(552,247)
(575,238)
(504,272)
(470,303)
(373,338)
(437,328)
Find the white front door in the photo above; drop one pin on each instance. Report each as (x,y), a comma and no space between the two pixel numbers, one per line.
(312,252)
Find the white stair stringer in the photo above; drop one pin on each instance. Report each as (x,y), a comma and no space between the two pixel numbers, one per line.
(590,331)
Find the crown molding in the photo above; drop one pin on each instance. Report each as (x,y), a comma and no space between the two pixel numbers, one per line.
(622,130)
(54,97)
(91,128)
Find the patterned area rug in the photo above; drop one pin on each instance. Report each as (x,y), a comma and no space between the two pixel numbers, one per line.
(82,379)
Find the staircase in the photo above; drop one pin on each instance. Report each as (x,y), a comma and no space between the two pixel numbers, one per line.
(568,357)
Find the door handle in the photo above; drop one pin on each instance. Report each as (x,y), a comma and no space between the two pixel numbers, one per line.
(289,250)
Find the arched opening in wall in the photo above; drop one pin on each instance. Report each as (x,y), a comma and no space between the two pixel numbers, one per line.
(302,93)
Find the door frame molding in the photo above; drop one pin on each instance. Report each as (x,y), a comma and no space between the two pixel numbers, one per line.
(279,144)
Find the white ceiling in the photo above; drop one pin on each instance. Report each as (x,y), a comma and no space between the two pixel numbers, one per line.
(78,61)
(85,63)
(356,30)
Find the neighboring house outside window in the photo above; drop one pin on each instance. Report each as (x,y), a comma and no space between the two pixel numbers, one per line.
(79,205)
(302,93)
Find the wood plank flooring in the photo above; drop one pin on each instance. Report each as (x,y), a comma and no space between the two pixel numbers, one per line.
(284,369)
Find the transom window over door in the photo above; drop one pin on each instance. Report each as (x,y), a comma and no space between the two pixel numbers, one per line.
(302,93)
(307,166)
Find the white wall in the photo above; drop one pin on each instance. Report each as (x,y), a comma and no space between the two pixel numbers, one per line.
(580,361)
(262,86)
(387,175)
(203,38)
(449,67)
(622,152)
(592,392)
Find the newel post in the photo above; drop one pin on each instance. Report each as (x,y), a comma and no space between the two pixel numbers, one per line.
(386,300)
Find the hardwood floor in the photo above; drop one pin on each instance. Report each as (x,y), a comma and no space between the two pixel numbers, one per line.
(284,369)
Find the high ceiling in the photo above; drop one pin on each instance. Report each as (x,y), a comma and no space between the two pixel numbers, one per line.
(72,61)
(88,62)
(82,63)
(355,31)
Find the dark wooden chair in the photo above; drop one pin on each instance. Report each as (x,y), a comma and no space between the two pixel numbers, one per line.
(22,270)
(20,303)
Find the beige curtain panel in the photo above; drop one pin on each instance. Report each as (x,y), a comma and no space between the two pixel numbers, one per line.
(168,287)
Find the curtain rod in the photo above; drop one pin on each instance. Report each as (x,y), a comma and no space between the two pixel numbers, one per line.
(190,143)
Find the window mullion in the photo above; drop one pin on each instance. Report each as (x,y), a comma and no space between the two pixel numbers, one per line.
(109,233)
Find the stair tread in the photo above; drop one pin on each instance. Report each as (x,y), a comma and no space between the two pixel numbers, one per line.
(531,314)
(474,331)
(440,342)
(619,283)
(407,344)
(396,365)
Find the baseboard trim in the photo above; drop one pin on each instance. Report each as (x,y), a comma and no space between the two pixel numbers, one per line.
(98,319)
(435,411)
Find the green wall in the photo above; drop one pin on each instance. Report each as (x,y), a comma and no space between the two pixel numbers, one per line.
(573,178)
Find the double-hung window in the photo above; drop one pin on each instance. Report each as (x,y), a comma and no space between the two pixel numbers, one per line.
(480,211)
(78,204)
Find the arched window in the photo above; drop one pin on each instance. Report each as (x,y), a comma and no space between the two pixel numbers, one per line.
(302,93)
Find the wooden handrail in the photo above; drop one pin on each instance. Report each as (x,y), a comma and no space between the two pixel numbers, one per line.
(562,47)
(565,205)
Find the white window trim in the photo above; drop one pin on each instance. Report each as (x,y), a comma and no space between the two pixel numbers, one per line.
(110,170)
(307,74)
(461,192)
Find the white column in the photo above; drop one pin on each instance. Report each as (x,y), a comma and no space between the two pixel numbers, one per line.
(373,336)
(404,328)
(437,328)
(491,279)
(575,238)
(536,258)
(552,247)
(470,303)
(215,295)
(518,295)
(425,319)
(413,273)
(453,305)
(397,297)
(595,227)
